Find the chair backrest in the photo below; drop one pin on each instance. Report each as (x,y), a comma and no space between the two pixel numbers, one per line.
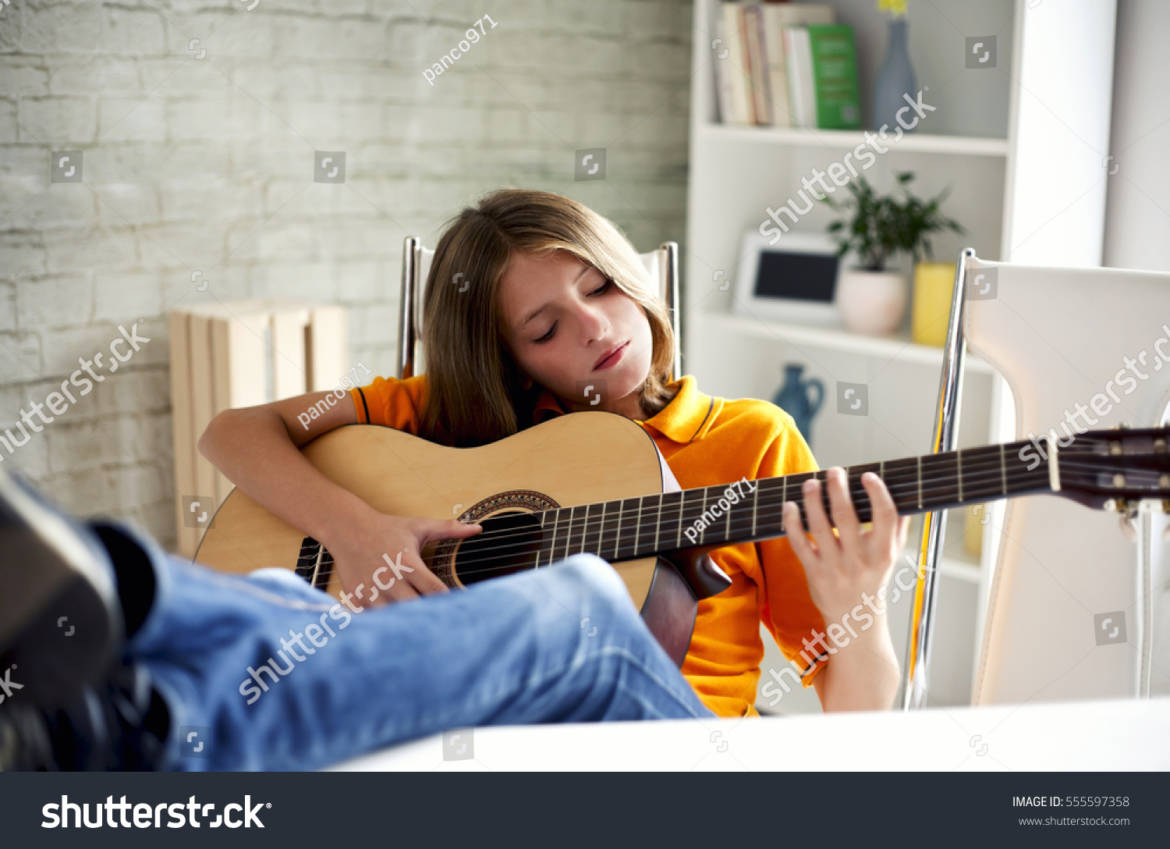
(660,264)
(1071,600)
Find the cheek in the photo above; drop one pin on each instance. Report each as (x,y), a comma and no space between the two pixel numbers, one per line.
(639,323)
(540,361)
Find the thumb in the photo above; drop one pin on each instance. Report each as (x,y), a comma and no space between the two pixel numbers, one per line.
(444,528)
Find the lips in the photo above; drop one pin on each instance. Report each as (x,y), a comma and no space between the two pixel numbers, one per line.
(610,353)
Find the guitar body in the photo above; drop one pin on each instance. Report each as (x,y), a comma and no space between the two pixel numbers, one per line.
(570,460)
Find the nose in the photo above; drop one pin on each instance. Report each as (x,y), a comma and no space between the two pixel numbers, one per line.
(593,321)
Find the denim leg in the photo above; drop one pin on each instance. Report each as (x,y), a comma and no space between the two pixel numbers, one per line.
(272,674)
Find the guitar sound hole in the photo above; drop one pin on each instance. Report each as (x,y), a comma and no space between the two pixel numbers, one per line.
(508,543)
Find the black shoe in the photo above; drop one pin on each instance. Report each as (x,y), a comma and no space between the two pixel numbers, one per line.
(61,621)
(71,592)
(120,724)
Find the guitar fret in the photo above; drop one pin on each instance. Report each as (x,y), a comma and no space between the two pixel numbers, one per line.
(637,526)
(552,543)
(678,536)
(617,537)
(959,471)
(600,551)
(727,525)
(703,530)
(658,523)
(585,530)
(569,535)
(919,482)
(1002,469)
(755,506)
(783,499)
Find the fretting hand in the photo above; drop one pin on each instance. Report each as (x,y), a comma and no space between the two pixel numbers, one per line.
(841,567)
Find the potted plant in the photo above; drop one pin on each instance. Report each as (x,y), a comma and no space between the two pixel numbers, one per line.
(871,297)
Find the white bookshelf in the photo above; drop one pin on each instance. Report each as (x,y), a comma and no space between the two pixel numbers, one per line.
(899,346)
(1006,190)
(849,139)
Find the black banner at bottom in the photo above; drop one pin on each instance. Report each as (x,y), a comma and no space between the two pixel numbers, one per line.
(527,808)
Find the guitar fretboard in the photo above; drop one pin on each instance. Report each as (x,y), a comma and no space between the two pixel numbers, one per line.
(746,511)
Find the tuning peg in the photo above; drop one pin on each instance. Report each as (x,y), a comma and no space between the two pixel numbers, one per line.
(1128,522)
(1128,527)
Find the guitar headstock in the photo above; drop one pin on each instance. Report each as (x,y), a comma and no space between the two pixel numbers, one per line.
(1115,469)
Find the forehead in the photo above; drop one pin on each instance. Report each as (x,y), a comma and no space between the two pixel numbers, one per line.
(525,269)
(530,279)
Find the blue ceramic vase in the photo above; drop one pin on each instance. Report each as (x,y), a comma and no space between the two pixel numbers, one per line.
(895,79)
(800,397)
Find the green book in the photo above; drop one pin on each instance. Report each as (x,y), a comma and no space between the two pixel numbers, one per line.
(834,67)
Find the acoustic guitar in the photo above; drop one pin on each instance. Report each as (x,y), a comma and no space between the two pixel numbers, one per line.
(595,482)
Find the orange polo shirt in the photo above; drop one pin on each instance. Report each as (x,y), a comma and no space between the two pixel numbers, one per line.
(706,441)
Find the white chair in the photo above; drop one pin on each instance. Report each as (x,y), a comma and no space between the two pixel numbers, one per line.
(1058,337)
(661,264)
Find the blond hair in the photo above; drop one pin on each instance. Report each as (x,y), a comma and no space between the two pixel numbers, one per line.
(475,388)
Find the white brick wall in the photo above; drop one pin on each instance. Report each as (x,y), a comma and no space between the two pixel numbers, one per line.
(197,121)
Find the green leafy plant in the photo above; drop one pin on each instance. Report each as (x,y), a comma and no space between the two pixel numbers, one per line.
(876,227)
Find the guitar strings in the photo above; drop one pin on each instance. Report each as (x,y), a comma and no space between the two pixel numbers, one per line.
(769,501)
(978,466)
(974,474)
(668,520)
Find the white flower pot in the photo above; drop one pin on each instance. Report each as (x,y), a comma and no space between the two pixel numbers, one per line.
(871,302)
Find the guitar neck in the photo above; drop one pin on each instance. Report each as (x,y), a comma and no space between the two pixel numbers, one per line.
(750,510)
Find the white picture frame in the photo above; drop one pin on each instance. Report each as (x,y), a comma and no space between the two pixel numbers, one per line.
(748,302)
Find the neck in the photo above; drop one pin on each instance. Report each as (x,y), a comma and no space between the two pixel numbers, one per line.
(746,511)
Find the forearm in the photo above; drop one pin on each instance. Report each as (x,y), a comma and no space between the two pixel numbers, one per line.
(255,451)
(863,674)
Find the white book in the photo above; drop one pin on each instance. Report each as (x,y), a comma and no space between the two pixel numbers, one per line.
(754,29)
(720,56)
(742,109)
(776,16)
(801,91)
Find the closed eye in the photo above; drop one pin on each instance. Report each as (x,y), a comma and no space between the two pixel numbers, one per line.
(600,290)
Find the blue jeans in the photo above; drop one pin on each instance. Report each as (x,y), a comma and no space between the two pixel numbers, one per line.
(264,672)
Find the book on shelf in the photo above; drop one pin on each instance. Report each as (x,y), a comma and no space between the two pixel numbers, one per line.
(785,65)
(757,63)
(833,59)
(776,16)
(732,66)
(801,89)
